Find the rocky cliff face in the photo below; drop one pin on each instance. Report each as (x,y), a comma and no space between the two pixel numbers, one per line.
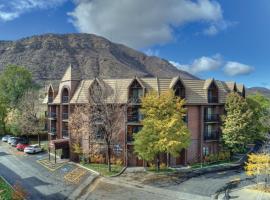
(48,56)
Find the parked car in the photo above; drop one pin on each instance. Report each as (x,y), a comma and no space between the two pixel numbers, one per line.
(21,146)
(33,149)
(16,141)
(5,138)
(11,139)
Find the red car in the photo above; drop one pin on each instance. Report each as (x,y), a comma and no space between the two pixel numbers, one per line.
(21,146)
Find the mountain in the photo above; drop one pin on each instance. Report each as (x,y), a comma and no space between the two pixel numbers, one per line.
(262,90)
(48,56)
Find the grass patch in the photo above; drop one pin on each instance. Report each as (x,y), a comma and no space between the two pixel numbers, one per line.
(5,190)
(103,168)
(165,170)
(199,165)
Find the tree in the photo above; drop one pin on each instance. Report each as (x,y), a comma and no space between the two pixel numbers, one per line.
(260,105)
(103,115)
(79,127)
(238,126)
(258,165)
(164,130)
(31,118)
(14,81)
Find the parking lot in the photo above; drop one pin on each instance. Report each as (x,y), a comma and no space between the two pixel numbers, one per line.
(39,182)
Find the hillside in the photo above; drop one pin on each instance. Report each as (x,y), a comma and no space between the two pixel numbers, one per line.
(47,57)
(262,90)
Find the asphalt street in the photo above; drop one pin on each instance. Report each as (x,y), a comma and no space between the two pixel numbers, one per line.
(39,182)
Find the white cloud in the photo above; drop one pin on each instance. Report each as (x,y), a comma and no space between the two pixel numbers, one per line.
(236,68)
(12,9)
(218,26)
(202,64)
(140,23)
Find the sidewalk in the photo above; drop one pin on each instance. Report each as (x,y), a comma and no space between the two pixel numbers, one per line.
(247,194)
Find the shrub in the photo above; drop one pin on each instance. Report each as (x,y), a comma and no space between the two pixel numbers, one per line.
(152,166)
(119,162)
(163,166)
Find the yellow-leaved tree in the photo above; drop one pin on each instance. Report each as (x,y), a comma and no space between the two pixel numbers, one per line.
(258,165)
(164,130)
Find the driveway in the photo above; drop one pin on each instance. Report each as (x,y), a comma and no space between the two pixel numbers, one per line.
(39,182)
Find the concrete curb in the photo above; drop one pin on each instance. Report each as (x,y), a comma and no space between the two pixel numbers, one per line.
(93,171)
(82,187)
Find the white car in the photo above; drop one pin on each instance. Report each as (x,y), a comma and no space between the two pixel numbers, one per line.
(33,149)
(10,139)
(5,138)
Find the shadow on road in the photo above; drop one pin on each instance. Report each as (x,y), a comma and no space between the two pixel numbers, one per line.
(29,185)
(4,154)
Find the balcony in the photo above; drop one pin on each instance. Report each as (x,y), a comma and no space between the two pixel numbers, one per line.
(65,99)
(212,99)
(52,115)
(65,133)
(52,131)
(213,135)
(50,99)
(135,100)
(65,116)
(211,118)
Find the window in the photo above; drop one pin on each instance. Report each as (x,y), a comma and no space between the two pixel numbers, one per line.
(205,151)
(100,133)
(213,93)
(65,97)
(179,89)
(136,92)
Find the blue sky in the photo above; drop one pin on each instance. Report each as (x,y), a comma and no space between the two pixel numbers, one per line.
(226,39)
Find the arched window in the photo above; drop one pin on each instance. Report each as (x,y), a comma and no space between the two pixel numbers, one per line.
(213,93)
(135,92)
(65,96)
(179,89)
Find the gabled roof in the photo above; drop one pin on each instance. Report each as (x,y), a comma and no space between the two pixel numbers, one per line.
(231,85)
(71,74)
(208,82)
(175,80)
(240,87)
(137,79)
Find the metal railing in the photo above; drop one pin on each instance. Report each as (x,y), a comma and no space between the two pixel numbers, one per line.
(53,131)
(52,115)
(211,118)
(213,135)
(65,99)
(50,99)
(212,99)
(65,116)
(65,133)
(135,100)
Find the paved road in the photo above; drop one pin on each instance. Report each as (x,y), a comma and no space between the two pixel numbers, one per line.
(40,183)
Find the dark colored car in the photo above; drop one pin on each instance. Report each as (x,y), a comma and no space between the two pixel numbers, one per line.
(16,141)
(21,146)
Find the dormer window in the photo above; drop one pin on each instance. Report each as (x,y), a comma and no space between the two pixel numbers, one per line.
(213,93)
(179,90)
(135,92)
(50,95)
(65,96)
